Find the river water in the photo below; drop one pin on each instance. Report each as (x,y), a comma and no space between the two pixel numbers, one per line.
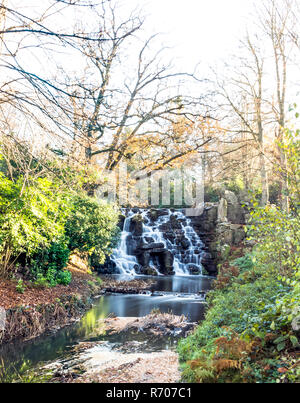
(179,295)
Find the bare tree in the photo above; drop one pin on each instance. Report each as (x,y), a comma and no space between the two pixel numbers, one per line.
(127,96)
(243,94)
(279,20)
(34,35)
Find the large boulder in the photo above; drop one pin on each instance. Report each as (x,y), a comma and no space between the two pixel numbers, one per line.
(147,271)
(235,212)
(121,221)
(166,260)
(230,234)
(239,233)
(133,244)
(211,212)
(154,214)
(193,269)
(206,222)
(144,258)
(136,225)
(174,222)
(222,210)
(184,243)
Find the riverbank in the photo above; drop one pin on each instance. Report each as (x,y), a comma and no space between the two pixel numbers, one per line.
(40,309)
(133,329)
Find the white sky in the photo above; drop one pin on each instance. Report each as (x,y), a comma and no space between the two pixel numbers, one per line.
(198,30)
(206,33)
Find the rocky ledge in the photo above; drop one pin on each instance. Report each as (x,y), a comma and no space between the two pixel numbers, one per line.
(110,285)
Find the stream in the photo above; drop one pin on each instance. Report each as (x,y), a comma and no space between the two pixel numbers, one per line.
(176,294)
(158,242)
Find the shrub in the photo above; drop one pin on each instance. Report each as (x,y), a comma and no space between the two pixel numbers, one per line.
(92,227)
(31,218)
(64,277)
(245,263)
(211,195)
(225,276)
(20,287)
(49,262)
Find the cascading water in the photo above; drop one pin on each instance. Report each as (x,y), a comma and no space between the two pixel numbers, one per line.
(187,258)
(191,258)
(124,262)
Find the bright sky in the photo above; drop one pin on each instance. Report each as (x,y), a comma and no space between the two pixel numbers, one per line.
(198,30)
(205,32)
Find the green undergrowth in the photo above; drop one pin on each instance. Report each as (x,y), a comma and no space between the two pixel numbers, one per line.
(251,332)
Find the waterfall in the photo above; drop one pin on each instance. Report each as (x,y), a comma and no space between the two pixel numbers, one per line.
(183,242)
(124,262)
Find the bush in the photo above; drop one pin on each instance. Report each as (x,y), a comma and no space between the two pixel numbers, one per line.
(92,227)
(245,263)
(49,262)
(64,277)
(41,223)
(211,195)
(31,218)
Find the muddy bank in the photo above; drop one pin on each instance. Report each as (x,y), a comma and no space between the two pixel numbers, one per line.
(40,310)
(99,365)
(49,309)
(32,321)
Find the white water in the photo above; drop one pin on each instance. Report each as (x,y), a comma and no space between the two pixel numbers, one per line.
(124,262)
(191,255)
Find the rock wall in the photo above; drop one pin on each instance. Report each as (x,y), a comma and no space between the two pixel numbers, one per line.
(221,226)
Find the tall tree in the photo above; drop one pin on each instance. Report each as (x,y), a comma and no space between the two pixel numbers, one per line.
(244,100)
(128,95)
(278,20)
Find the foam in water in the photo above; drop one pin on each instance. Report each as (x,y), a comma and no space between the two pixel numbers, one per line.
(184,260)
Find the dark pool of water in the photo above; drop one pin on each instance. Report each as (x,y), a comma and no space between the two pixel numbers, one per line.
(180,298)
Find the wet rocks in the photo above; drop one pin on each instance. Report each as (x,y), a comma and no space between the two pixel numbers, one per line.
(220,226)
(154,214)
(166,260)
(184,243)
(125,287)
(121,221)
(147,271)
(174,222)
(153,246)
(143,258)
(194,269)
(109,267)
(136,225)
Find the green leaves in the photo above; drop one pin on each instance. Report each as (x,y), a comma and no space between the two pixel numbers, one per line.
(294,341)
(92,226)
